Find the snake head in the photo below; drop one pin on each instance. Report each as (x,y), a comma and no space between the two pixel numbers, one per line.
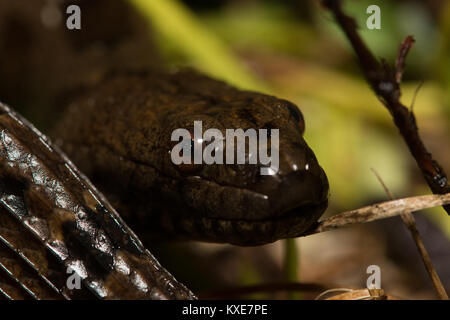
(124,136)
(246,203)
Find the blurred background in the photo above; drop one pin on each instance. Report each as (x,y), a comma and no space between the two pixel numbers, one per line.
(291,49)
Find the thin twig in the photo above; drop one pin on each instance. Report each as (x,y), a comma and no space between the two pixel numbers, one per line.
(326,292)
(379,211)
(410,223)
(416,92)
(400,62)
(291,257)
(385,82)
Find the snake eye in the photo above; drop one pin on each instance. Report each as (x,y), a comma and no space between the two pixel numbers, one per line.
(188,167)
(296,114)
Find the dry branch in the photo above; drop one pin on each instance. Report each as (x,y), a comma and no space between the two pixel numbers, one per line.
(379,211)
(385,82)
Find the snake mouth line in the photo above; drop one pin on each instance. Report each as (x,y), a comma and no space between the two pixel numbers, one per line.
(301,209)
(298,211)
(292,223)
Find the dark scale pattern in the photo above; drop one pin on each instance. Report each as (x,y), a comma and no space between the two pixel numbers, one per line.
(48,207)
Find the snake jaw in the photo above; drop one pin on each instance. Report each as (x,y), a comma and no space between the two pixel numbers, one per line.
(290,224)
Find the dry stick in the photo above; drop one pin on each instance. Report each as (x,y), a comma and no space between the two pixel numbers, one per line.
(410,223)
(378,211)
(385,82)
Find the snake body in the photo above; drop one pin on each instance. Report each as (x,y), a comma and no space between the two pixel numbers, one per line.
(53,221)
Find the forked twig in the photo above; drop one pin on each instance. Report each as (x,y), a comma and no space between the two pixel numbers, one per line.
(385,82)
(410,223)
(400,62)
